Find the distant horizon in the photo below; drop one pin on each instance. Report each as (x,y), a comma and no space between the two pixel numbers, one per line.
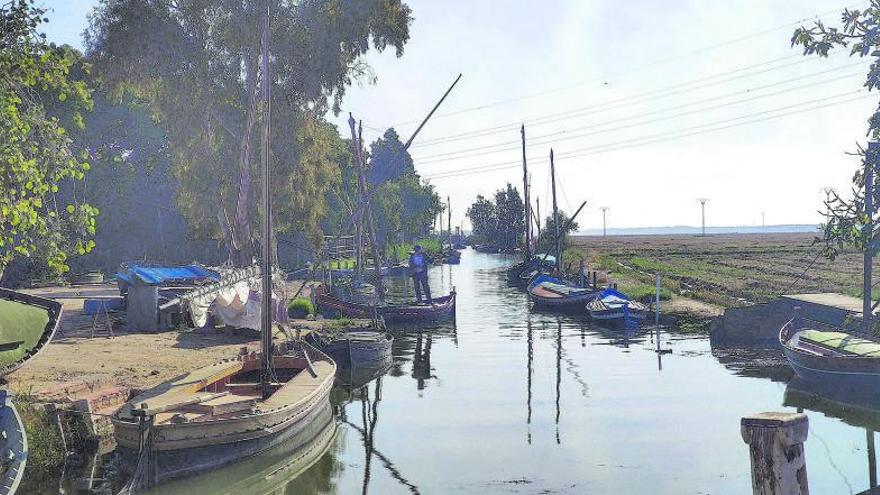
(690,229)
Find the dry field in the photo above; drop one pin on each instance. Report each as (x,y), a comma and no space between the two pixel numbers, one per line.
(724,270)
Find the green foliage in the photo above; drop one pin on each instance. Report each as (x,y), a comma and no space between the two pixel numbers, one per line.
(500,222)
(195,66)
(847,219)
(39,102)
(547,239)
(301,305)
(399,253)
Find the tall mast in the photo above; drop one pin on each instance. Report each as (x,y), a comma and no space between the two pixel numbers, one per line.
(555,210)
(449,220)
(528,225)
(266,261)
(871,158)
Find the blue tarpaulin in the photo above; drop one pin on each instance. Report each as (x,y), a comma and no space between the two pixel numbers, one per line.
(161,275)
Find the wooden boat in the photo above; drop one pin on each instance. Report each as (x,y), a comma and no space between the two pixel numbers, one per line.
(453,257)
(352,346)
(522,273)
(611,306)
(269,472)
(216,415)
(27,324)
(823,354)
(442,307)
(554,293)
(13,446)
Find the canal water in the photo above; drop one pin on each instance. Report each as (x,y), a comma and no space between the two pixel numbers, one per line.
(508,400)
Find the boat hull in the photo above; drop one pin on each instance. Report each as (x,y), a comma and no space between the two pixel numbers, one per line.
(177,464)
(574,302)
(443,307)
(345,351)
(846,374)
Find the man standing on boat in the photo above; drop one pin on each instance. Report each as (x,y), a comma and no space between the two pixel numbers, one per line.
(418,266)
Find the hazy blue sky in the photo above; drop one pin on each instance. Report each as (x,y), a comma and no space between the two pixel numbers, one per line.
(647,104)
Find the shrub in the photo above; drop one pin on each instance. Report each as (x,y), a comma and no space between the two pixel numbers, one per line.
(300,308)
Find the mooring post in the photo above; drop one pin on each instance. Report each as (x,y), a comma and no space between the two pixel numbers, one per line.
(657,308)
(595,279)
(776,448)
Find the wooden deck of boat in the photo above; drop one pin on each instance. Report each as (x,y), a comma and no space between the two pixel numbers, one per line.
(184,387)
(301,386)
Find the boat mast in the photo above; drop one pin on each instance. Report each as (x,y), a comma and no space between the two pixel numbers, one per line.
(266,261)
(528,225)
(555,210)
(449,220)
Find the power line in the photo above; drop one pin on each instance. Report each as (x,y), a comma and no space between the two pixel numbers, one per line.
(664,92)
(640,67)
(541,139)
(652,139)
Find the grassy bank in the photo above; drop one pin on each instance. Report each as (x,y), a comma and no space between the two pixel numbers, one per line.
(722,270)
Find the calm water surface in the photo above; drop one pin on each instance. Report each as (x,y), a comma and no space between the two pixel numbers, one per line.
(513,401)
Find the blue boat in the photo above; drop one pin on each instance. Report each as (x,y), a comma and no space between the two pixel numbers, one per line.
(555,293)
(611,306)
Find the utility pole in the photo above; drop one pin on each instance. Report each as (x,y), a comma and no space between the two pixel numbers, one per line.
(604,211)
(703,210)
(871,159)
(528,213)
(555,209)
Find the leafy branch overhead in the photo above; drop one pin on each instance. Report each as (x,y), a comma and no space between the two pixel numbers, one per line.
(846,218)
(39,103)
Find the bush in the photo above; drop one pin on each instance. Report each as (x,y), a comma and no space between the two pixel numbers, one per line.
(300,308)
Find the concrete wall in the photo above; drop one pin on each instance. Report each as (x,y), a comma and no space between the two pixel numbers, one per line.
(759,324)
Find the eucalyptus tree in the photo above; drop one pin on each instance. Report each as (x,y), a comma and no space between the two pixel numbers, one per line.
(847,217)
(195,65)
(39,104)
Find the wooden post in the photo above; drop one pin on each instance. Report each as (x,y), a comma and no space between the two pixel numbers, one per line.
(870,161)
(595,279)
(776,448)
(872,458)
(555,210)
(657,309)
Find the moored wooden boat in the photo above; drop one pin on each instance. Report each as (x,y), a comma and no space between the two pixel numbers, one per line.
(216,415)
(442,307)
(523,272)
(611,306)
(554,293)
(825,355)
(27,324)
(346,347)
(269,472)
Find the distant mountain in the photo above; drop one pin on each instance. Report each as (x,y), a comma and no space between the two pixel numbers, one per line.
(687,229)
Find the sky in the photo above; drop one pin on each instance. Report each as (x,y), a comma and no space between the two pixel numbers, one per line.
(647,105)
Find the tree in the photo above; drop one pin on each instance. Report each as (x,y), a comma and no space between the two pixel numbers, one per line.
(846,219)
(483,219)
(547,240)
(195,65)
(501,222)
(38,104)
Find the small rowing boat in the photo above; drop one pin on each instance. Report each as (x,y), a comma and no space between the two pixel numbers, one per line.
(611,306)
(27,324)
(441,308)
(554,293)
(353,346)
(824,355)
